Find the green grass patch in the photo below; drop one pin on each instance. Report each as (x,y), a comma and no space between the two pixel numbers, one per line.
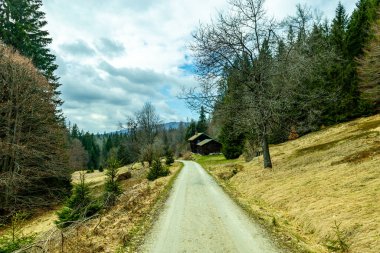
(211,160)
(14,239)
(9,244)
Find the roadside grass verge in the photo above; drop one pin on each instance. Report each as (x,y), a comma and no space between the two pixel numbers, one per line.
(323,194)
(138,233)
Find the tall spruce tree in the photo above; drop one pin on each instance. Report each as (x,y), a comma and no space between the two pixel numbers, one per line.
(339,30)
(202,122)
(232,135)
(337,74)
(22,25)
(359,27)
(89,144)
(347,38)
(191,129)
(75,133)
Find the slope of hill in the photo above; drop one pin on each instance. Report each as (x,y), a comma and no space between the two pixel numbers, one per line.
(323,194)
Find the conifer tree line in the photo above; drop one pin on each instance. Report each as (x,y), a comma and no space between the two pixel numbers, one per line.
(143,138)
(262,79)
(34,162)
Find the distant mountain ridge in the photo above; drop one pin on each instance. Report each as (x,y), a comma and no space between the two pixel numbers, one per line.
(166,126)
(175,125)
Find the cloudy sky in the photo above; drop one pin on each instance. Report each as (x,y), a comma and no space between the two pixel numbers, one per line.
(115,55)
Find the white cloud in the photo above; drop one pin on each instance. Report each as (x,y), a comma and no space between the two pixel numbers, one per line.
(116,55)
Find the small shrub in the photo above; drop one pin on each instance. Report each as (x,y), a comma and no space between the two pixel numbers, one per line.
(236,168)
(232,152)
(7,245)
(231,172)
(293,135)
(233,144)
(66,216)
(101,168)
(274,222)
(78,206)
(157,170)
(13,240)
(226,175)
(111,187)
(339,243)
(169,159)
(188,156)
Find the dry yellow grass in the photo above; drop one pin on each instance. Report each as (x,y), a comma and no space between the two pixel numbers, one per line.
(322,179)
(113,229)
(97,178)
(44,220)
(40,223)
(110,230)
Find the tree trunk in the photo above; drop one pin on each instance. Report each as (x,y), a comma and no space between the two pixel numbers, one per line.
(266,154)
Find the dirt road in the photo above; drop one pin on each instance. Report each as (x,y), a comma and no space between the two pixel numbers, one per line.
(200,217)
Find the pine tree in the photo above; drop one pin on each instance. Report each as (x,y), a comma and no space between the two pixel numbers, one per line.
(359,27)
(232,141)
(22,25)
(202,122)
(339,30)
(108,146)
(232,134)
(88,141)
(75,133)
(111,187)
(191,129)
(123,154)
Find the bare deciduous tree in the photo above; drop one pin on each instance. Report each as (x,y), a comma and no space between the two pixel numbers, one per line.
(148,123)
(270,75)
(244,36)
(143,130)
(78,156)
(369,65)
(33,159)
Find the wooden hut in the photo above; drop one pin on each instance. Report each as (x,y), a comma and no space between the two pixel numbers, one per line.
(209,146)
(197,138)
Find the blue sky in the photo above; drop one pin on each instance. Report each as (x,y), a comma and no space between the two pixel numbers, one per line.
(115,55)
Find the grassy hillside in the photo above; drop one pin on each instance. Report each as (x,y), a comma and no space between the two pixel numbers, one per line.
(323,194)
(119,229)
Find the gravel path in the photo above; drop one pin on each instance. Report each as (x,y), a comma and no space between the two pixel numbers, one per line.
(200,217)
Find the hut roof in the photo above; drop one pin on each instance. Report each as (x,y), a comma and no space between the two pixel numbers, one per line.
(206,141)
(196,136)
